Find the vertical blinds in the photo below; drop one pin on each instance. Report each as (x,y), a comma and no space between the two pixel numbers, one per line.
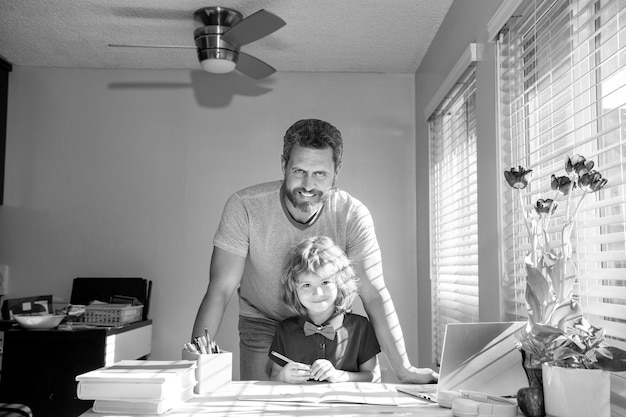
(454,236)
(562,68)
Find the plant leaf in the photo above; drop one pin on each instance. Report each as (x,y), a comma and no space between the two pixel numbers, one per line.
(555,274)
(616,364)
(537,291)
(565,314)
(535,312)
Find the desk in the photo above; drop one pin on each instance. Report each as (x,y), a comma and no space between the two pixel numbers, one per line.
(39,366)
(225,403)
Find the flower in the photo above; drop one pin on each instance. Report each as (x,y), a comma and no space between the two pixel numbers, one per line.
(591,181)
(556,331)
(547,206)
(518,178)
(576,163)
(563,184)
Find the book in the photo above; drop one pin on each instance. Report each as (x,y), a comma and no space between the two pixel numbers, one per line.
(142,406)
(137,379)
(322,392)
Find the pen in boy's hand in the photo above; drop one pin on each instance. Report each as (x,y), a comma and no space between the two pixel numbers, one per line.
(282,357)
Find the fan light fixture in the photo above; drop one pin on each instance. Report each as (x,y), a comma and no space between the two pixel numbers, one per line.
(217,66)
(214,53)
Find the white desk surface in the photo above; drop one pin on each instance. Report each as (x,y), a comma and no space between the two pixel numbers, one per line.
(225,403)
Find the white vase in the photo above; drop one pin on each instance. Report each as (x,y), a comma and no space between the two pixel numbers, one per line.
(576,392)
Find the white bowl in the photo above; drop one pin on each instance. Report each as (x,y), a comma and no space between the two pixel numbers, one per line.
(44,321)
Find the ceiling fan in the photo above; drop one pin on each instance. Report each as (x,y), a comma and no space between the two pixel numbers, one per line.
(223,33)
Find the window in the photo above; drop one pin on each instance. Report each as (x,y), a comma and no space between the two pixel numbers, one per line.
(454,231)
(562,68)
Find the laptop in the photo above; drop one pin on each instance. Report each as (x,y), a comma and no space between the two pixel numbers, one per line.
(480,357)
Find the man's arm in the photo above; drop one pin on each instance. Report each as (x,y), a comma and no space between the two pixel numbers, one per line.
(382,313)
(225,275)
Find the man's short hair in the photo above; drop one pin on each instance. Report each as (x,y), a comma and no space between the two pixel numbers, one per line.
(316,134)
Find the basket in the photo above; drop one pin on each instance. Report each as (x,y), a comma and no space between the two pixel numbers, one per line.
(112,314)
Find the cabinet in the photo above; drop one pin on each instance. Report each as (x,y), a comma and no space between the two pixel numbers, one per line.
(39,366)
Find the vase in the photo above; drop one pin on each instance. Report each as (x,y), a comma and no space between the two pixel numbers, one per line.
(570,392)
(532,368)
(530,399)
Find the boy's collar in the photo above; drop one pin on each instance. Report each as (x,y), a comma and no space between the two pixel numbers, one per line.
(335,320)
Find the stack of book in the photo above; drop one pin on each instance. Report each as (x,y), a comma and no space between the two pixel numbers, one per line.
(138,386)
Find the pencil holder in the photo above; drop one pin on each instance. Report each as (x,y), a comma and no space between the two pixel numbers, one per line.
(214,371)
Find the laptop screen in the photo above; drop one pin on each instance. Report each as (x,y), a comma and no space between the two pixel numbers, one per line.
(482,357)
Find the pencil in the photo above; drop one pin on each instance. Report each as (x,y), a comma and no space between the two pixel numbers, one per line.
(279,356)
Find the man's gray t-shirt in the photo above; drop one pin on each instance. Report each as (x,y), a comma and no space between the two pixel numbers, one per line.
(255,224)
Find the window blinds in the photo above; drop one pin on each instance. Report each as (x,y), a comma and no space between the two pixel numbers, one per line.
(562,68)
(454,235)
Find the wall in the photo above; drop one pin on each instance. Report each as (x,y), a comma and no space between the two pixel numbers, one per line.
(465,22)
(125,173)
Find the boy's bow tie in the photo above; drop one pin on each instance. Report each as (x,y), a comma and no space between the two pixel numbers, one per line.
(326,331)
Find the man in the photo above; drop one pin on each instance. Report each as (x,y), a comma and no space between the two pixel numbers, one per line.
(259,226)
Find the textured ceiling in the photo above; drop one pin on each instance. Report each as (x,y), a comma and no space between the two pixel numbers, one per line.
(320,36)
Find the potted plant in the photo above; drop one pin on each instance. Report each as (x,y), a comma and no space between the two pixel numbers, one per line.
(557,335)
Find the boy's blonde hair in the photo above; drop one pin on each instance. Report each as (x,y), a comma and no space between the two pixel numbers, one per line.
(311,255)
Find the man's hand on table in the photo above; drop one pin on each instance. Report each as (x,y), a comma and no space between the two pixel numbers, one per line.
(415,375)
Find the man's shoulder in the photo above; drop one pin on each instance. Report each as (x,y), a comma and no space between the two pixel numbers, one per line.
(343,202)
(260,190)
(344,197)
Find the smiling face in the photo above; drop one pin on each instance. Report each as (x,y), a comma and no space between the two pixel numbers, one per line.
(309,175)
(317,294)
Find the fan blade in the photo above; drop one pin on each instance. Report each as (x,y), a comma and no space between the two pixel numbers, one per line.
(253,67)
(117,45)
(253,27)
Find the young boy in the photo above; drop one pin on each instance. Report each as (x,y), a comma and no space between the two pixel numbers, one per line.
(324,341)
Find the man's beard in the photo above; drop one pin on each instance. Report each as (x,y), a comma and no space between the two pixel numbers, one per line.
(308,206)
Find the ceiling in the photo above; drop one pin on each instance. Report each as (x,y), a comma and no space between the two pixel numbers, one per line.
(320,36)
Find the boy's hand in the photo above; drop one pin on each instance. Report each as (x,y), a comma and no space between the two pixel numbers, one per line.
(295,373)
(323,370)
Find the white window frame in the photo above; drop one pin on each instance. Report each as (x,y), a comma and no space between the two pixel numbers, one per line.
(467,302)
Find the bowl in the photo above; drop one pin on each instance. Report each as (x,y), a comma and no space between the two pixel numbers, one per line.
(42,321)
